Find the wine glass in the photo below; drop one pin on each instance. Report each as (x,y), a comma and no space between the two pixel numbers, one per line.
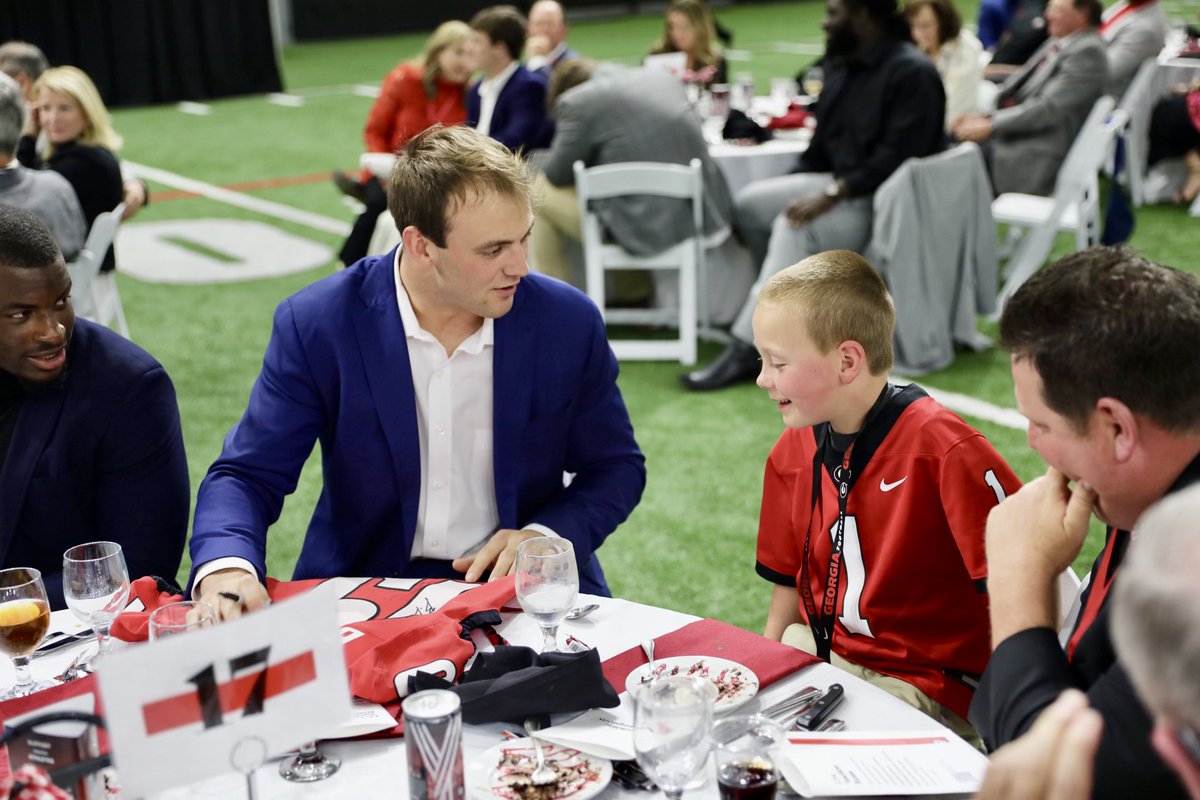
(308,765)
(24,619)
(547,584)
(96,586)
(814,81)
(175,618)
(672,729)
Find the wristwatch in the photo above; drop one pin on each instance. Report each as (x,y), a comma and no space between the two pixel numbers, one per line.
(833,190)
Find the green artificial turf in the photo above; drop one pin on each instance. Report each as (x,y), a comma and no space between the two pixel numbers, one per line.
(690,544)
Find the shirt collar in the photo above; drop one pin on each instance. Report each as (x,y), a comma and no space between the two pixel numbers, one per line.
(493,86)
(472,345)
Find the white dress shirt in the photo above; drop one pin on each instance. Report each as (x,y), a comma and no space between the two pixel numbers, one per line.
(489,91)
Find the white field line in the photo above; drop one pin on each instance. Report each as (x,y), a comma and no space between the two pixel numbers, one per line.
(288,100)
(974,407)
(199,109)
(265,207)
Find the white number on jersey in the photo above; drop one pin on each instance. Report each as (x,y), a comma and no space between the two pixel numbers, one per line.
(856,578)
(991,480)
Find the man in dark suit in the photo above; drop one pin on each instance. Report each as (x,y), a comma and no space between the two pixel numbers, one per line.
(509,104)
(1041,108)
(451,392)
(546,43)
(1104,367)
(90,442)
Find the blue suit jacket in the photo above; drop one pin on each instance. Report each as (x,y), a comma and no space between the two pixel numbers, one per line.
(99,457)
(519,119)
(337,369)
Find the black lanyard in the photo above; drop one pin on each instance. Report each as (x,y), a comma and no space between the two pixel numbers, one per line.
(821,621)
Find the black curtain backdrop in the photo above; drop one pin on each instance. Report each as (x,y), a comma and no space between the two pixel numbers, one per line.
(140,52)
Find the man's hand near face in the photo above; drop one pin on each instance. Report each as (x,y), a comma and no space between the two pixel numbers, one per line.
(232,593)
(1033,536)
(499,555)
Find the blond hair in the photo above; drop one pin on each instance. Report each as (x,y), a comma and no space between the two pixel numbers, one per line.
(74,83)
(700,20)
(839,297)
(447,35)
(440,167)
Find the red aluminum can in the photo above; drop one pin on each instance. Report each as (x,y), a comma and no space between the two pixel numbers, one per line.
(433,736)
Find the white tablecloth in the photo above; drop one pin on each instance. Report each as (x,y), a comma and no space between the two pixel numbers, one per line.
(744,164)
(378,768)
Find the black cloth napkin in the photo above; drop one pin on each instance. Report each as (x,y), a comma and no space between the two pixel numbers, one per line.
(512,684)
(739,126)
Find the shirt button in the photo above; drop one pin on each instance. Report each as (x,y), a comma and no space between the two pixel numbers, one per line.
(437,484)
(441,431)
(434,543)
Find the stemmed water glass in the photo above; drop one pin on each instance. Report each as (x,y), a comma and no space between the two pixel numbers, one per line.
(96,586)
(547,584)
(24,618)
(672,729)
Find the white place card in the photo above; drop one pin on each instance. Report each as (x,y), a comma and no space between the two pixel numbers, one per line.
(888,763)
(226,698)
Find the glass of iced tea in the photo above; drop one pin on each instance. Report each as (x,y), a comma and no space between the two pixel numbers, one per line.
(24,619)
(745,748)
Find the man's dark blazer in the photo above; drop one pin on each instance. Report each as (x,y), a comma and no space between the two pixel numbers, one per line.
(337,370)
(97,458)
(519,119)
(1029,669)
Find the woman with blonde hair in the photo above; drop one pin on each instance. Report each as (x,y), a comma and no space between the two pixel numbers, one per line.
(689,28)
(416,94)
(78,142)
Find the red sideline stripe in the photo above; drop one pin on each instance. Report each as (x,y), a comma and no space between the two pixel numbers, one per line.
(925,740)
(184,709)
(246,186)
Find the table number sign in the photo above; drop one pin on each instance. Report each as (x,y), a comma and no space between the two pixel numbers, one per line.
(189,707)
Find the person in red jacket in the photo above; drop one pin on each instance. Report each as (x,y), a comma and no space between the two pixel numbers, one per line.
(414,95)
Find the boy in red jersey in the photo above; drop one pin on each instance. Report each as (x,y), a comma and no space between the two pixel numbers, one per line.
(875,498)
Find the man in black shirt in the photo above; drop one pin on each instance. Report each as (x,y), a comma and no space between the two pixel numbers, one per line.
(90,442)
(882,103)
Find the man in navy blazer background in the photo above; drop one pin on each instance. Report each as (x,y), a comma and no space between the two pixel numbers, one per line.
(90,443)
(509,104)
(462,403)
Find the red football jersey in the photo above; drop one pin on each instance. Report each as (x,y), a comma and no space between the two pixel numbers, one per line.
(391,627)
(911,600)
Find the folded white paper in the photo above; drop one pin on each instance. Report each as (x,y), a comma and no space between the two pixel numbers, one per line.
(603,732)
(883,763)
(365,717)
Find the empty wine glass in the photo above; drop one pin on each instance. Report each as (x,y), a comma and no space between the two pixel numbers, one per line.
(672,729)
(181,617)
(96,586)
(309,765)
(547,584)
(24,618)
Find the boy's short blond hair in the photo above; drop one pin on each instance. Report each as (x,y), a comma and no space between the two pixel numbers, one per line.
(839,297)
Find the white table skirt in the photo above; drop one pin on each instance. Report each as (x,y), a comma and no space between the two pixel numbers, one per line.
(378,768)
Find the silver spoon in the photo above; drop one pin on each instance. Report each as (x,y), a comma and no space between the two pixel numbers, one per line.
(543,775)
(582,611)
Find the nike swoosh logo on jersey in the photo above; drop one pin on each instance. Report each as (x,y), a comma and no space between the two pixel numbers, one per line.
(884,486)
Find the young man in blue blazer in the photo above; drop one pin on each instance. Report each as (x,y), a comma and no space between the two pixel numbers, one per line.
(509,103)
(463,404)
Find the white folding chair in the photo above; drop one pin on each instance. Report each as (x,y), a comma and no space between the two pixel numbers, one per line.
(1075,205)
(94,293)
(1138,102)
(686,257)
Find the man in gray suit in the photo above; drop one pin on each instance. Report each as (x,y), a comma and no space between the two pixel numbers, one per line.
(1041,108)
(44,192)
(609,114)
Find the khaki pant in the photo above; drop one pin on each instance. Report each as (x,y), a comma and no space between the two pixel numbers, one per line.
(799,635)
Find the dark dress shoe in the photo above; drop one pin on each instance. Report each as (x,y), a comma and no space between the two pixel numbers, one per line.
(738,363)
(348,186)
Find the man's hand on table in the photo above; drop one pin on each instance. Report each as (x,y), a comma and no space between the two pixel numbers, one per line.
(499,554)
(232,593)
(1053,761)
(1033,536)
